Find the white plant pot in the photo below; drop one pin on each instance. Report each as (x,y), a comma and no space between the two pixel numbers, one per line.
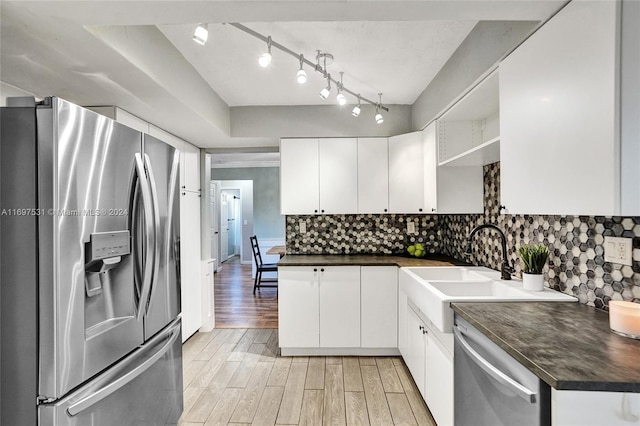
(533,282)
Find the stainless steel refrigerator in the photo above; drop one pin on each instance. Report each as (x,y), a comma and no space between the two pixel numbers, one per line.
(90,290)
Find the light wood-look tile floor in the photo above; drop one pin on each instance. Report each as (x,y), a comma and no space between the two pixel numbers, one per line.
(235,376)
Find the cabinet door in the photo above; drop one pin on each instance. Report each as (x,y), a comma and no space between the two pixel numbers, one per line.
(558,148)
(190,166)
(299,176)
(431,168)
(339,306)
(338,176)
(191,287)
(406,173)
(403,340)
(416,349)
(373,175)
(438,387)
(589,408)
(379,304)
(298,315)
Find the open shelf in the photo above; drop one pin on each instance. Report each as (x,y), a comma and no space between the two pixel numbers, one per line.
(483,154)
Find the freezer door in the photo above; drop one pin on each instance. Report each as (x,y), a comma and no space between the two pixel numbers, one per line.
(162,164)
(145,388)
(87,173)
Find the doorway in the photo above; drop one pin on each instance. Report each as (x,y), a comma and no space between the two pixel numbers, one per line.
(230,219)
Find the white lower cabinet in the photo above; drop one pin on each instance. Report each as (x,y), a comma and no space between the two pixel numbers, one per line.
(338,310)
(428,354)
(416,349)
(339,289)
(319,307)
(589,408)
(379,306)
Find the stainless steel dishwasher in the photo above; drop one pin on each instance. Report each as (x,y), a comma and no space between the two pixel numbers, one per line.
(491,388)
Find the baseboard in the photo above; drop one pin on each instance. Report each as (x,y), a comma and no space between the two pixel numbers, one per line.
(339,352)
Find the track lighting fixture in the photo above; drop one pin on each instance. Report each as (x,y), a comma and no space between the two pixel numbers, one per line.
(301,77)
(379,117)
(324,93)
(342,100)
(322,60)
(265,59)
(201,34)
(356,109)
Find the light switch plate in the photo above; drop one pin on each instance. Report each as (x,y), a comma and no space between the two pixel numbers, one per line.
(411,227)
(618,250)
(303,227)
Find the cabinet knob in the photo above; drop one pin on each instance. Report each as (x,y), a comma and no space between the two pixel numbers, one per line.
(420,327)
(315,269)
(433,210)
(424,331)
(322,211)
(322,270)
(502,208)
(315,211)
(419,210)
(183,187)
(184,193)
(385,210)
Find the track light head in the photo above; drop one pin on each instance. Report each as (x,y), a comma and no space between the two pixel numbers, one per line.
(265,59)
(324,93)
(301,77)
(357,109)
(342,99)
(201,34)
(379,118)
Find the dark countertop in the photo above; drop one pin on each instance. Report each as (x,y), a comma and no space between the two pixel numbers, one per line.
(366,260)
(568,345)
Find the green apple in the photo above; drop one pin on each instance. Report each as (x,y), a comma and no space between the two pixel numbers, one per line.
(411,249)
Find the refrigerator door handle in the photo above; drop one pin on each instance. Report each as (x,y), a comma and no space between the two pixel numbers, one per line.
(497,375)
(109,387)
(150,236)
(156,229)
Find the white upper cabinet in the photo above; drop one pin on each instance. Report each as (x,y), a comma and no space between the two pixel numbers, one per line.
(338,175)
(560,149)
(319,176)
(450,189)
(406,173)
(373,175)
(190,165)
(299,176)
(469,131)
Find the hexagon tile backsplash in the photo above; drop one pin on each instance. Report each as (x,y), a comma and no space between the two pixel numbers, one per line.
(576,264)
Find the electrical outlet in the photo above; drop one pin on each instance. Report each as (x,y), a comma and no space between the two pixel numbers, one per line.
(411,227)
(303,227)
(618,250)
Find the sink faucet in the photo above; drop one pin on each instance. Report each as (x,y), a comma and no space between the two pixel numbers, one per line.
(507,269)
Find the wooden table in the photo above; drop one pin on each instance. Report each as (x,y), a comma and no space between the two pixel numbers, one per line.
(279,250)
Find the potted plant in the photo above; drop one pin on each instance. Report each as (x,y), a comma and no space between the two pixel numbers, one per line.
(533,259)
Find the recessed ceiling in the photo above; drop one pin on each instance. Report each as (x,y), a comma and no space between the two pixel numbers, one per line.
(139,56)
(398,59)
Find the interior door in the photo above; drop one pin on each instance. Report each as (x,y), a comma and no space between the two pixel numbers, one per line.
(162,165)
(89,311)
(224,227)
(215,225)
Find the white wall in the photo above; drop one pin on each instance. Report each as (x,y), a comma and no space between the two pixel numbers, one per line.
(317,121)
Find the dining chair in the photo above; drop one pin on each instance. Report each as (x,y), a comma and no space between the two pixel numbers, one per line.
(260,266)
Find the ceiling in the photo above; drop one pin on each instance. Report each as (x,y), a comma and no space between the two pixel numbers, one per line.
(139,56)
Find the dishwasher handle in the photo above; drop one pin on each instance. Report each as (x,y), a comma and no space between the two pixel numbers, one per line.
(500,377)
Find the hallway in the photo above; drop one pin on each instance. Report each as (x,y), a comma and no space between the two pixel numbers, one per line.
(235,304)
